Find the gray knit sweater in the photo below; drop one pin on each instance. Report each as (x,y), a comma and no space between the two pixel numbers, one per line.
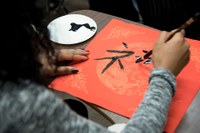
(31,108)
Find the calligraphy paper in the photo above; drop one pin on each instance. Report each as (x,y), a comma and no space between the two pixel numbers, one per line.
(121,90)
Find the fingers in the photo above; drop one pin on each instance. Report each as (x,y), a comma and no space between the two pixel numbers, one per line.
(177,37)
(74,62)
(175,30)
(183,62)
(49,71)
(165,35)
(183,32)
(72,54)
(172,54)
(65,70)
(162,37)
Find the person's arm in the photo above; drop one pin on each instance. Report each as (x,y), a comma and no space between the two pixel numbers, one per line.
(169,58)
(36,109)
(39,110)
(152,112)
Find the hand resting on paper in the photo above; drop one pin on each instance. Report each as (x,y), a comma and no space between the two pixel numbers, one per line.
(173,54)
(52,68)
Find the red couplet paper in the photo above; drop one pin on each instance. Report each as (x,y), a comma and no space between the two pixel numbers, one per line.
(121,90)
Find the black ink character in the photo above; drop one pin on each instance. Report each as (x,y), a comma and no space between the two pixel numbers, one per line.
(148,61)
(125,45)
(140,58)
(75,27)
(114,58)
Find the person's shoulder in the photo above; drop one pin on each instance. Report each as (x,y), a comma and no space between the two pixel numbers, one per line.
(24,102)
(23,91)
(19,86)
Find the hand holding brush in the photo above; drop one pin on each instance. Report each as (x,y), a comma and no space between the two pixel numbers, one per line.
(172,55)
(182,27)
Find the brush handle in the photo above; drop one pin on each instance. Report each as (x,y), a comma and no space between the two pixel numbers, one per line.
(150,52)
(171,35)
(185,25)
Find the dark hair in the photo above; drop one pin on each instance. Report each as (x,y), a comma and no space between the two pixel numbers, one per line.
(23,36)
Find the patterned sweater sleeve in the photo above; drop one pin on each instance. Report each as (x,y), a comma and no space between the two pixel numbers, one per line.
(30,108)
(151,114)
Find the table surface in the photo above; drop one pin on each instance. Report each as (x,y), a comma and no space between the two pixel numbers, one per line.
(191,120)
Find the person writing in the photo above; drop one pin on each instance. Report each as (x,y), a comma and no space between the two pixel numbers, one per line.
(27,105)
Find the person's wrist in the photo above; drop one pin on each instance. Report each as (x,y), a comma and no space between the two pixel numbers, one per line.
(167,67)
(165,74)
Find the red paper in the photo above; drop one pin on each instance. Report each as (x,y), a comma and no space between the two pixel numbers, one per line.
(121,91)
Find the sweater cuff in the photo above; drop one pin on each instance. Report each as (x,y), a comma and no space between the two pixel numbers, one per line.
(165,74)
